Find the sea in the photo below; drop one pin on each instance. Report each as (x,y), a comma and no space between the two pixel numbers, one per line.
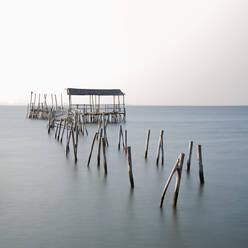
(49,201)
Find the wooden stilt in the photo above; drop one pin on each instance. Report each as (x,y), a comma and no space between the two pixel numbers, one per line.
(74,146)
(125,137)
(147,143)
(62,135)
(68,141)
(160,147)
(99,146)
(168,181)
(201,174)
(178,180)
(130,171)
(189,155)
(91,149)
(120,137)
(104,156)
(60,124)
(57,126)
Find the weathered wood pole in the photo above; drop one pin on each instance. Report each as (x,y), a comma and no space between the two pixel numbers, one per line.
(178,180)
(99,146)
(189,155)
(68,141)
(57,126)
(147,143)
(168,181)
(49,126)
(130,171)
(201,174)
(74,146)
(60,124)
(105,132)
(62,135)
(120,136)
(104,156)
(160,147)
(125,137)
(91,149)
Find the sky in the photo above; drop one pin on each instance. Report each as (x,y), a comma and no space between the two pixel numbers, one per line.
(159,52)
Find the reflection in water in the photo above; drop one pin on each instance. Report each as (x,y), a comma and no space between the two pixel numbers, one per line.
(201,190)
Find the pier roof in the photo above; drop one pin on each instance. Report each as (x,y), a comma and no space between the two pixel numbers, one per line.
(100,92)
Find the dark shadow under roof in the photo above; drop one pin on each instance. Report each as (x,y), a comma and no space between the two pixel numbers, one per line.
(99,92)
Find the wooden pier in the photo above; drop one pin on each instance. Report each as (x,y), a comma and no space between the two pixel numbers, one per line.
(88,112)
(114,112)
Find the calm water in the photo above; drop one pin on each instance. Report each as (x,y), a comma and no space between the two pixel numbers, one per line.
(48,201)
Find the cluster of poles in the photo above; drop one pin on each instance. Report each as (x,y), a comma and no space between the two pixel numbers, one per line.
(177,168)
(38,107)
(74,125)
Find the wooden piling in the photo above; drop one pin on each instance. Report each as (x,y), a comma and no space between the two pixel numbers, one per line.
(74,146)
(68,141)
(125,138)
(104,156)
(120,136)
(160,147)
(62,135)
(147,143)
(99,146)
(189,155)
(168,181)
(178,180)
(60,124)
(130,171)
(199,155)
(91,149)
(57,126)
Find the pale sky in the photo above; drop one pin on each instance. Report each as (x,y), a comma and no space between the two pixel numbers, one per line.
(159,52)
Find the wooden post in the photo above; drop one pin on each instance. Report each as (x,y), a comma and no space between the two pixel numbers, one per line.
(189,155)
(69,103)
(201,174)
(60,124)
(68,141)
(168,181)
(178,180)
(55,135)
(52,100)
(74,146)
(49,126)
(62,135)
(130,172)
(120,136)
(91,149)
(99,147)
(147,143)
(104,156)
(45,103)
(104,124)
(160,147)
(31,100)
(125,147)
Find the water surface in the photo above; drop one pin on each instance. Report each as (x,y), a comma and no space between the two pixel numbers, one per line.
(48,201)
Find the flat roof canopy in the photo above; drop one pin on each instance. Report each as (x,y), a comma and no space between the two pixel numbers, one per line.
(99,92)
